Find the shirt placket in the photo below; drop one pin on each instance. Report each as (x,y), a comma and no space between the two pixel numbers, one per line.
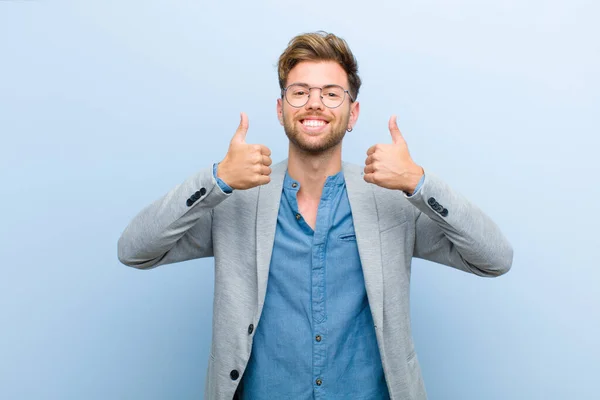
(318,279)
(319,295)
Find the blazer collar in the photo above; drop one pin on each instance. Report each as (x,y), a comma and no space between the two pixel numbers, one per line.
(366,228)
(269,197)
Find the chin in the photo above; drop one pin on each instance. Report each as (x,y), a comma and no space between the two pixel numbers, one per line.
(319,146)
(313,143)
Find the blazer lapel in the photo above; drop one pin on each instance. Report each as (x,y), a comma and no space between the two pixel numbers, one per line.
(267,210)
(366,227)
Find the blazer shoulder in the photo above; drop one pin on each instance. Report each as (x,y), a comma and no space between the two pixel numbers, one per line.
(352,169)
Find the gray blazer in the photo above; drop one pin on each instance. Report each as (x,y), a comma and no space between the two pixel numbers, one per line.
(196,219)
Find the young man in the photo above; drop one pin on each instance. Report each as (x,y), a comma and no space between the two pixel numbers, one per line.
(313,256)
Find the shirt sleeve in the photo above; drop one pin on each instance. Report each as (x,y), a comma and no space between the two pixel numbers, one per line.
(418,186)
(228,189)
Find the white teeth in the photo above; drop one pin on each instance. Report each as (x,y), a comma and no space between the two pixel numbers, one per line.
(313,122)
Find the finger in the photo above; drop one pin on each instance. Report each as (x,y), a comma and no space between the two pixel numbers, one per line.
(394,130)
(263,179)
(370,159)
(240,133)
(371,150)
(264,170)
(369,169)
(265,150)
(368,178)
(266,160)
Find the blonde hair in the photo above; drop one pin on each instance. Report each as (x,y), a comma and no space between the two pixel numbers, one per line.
(319,46)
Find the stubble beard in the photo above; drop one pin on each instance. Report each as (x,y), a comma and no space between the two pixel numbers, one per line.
(325,143)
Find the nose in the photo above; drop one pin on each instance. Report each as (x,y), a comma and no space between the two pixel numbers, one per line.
(314,100)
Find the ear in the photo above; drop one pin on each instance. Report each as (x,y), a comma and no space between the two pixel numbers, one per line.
(280,111)
(354,111)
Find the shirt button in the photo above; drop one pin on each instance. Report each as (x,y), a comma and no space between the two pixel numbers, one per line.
(318,338)
(294,185)
(298,216)
(234,375)
(319,382)
(250,329)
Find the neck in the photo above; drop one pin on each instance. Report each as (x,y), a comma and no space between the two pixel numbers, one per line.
(311,170)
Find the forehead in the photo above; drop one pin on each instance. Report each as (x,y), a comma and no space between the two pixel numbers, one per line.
(318,73)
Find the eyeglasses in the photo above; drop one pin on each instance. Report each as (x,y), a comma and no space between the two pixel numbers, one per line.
(332,96)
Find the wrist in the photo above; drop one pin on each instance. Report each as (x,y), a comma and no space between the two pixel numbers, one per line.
(221,171)
(414,177)
(225,187)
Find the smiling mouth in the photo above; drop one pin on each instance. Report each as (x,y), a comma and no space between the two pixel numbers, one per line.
(313,123)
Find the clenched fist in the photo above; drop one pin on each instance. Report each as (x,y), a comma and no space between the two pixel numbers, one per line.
(246,165)
(390,165)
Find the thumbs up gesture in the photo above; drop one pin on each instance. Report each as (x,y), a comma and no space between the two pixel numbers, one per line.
(390,165)
(246,165)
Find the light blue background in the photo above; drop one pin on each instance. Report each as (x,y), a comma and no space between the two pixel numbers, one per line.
(106,105)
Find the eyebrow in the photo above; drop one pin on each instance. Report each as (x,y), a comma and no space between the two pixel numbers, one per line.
(307,85)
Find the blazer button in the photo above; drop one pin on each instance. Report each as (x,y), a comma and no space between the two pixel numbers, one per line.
(250,329)
(234,375)
(444,212)
(431,201)
(195,196)
(189,202)
(202,191)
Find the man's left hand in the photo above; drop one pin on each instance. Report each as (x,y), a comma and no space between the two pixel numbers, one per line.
(390,165)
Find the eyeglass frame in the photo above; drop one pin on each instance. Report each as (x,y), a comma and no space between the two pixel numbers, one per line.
(309,88)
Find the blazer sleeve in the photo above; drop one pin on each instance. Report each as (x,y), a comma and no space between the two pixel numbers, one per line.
(176,227)
(452,231)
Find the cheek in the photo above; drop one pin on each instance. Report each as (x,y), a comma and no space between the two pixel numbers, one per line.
(287,114)
(342,117)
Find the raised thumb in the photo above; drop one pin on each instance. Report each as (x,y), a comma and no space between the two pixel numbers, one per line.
(394,130)
(240,133)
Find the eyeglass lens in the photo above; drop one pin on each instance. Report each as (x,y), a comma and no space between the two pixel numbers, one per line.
(298,95)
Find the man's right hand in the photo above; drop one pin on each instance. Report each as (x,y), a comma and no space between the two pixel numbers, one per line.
(246,165)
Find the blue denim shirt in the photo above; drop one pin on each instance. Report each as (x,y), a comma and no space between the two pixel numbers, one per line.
(315,338)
